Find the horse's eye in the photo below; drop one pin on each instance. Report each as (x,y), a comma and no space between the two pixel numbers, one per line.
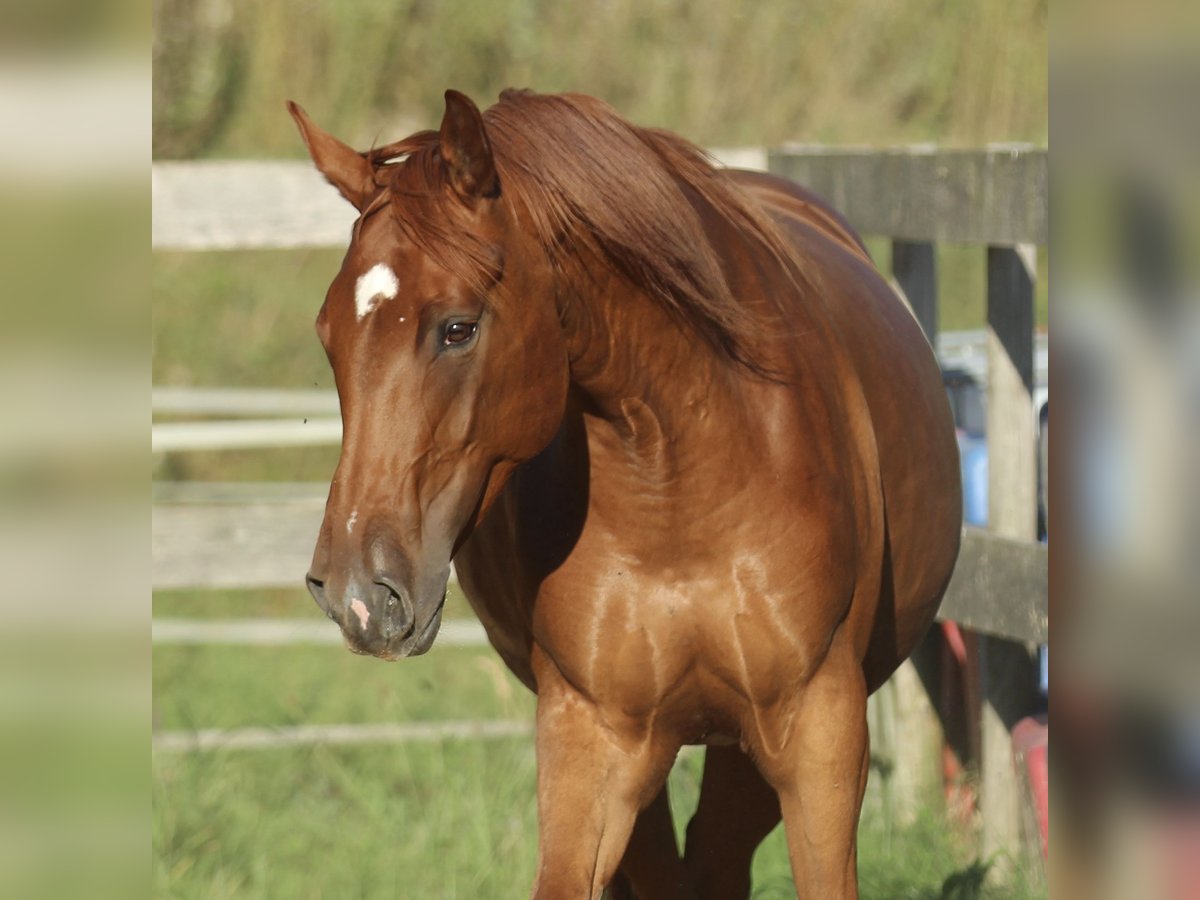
(459,333)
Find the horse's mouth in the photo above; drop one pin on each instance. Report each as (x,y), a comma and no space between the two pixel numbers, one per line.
(424,640)
(419,642)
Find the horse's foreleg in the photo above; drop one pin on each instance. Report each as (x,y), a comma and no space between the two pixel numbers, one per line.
(651,868)
(737,809)
(814,753)
(593,780)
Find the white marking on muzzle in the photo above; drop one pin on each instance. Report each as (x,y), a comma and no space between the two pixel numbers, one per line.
(378,283)
(360,609)
(350,522)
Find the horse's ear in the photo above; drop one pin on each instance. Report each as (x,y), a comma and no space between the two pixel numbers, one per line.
(346,169)
(466,153)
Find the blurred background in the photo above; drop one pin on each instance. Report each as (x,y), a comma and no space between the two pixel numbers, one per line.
(722,74)
(1125,578)
(74,360)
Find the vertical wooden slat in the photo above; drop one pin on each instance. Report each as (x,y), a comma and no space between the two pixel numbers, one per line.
(1012,463)
(1012,513)
(914,781)
(917,739)
(914,266)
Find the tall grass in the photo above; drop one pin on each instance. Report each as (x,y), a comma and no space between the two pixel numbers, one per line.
(719,73)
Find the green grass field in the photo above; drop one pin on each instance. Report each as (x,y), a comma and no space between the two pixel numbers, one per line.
(451,819)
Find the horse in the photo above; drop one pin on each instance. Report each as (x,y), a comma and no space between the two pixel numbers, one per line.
(689,452)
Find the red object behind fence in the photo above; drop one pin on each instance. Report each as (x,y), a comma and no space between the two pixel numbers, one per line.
(1031,744)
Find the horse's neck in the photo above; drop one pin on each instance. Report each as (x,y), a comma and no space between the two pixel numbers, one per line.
(624,346)
(652,392)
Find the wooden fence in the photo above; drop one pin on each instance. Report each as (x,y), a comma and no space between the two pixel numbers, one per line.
(995,198)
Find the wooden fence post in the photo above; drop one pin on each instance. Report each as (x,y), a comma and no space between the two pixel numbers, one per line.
(913,725)
(1012,513)
(914,266)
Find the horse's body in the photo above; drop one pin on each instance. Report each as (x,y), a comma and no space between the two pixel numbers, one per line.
(728,541)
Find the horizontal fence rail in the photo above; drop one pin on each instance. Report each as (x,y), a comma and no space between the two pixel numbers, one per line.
(290,632)
(245,434)
(339,735)
(238,536)
(275,204)
(245,205)
(999,588)
(202,401)
(992,196)
(254,543)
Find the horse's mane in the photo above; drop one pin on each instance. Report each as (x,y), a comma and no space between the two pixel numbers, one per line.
(593,186)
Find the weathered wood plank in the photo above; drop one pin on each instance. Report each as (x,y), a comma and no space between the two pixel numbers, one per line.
(243,545)
(1012,440)
(999,587)
(245,204)
(229,204)
(223,536)
(223,401)
(992,196)
(1007,670)
(244,434)
(274,632)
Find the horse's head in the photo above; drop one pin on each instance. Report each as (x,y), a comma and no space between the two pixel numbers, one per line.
(450,365)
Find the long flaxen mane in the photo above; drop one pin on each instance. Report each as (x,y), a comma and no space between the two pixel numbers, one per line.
(597,188)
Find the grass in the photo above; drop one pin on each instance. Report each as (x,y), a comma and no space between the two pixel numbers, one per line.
(236,687)
(288,603)
(444,820)
(454,819)
(449,820)
(241,317)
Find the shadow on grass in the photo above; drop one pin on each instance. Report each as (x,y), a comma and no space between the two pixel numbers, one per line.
(965,884)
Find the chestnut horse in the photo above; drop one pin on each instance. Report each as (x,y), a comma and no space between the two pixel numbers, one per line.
(690,454)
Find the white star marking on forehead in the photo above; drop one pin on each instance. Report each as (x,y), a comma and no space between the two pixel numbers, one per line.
(379,283)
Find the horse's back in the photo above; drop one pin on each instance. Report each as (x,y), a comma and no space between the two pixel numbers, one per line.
(911,419)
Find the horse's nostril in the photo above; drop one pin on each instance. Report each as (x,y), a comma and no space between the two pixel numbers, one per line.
(316,587)
(400,619)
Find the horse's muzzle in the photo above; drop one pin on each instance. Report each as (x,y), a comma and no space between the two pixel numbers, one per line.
(380,618)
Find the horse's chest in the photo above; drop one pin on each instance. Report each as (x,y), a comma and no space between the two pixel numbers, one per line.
(625,643)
